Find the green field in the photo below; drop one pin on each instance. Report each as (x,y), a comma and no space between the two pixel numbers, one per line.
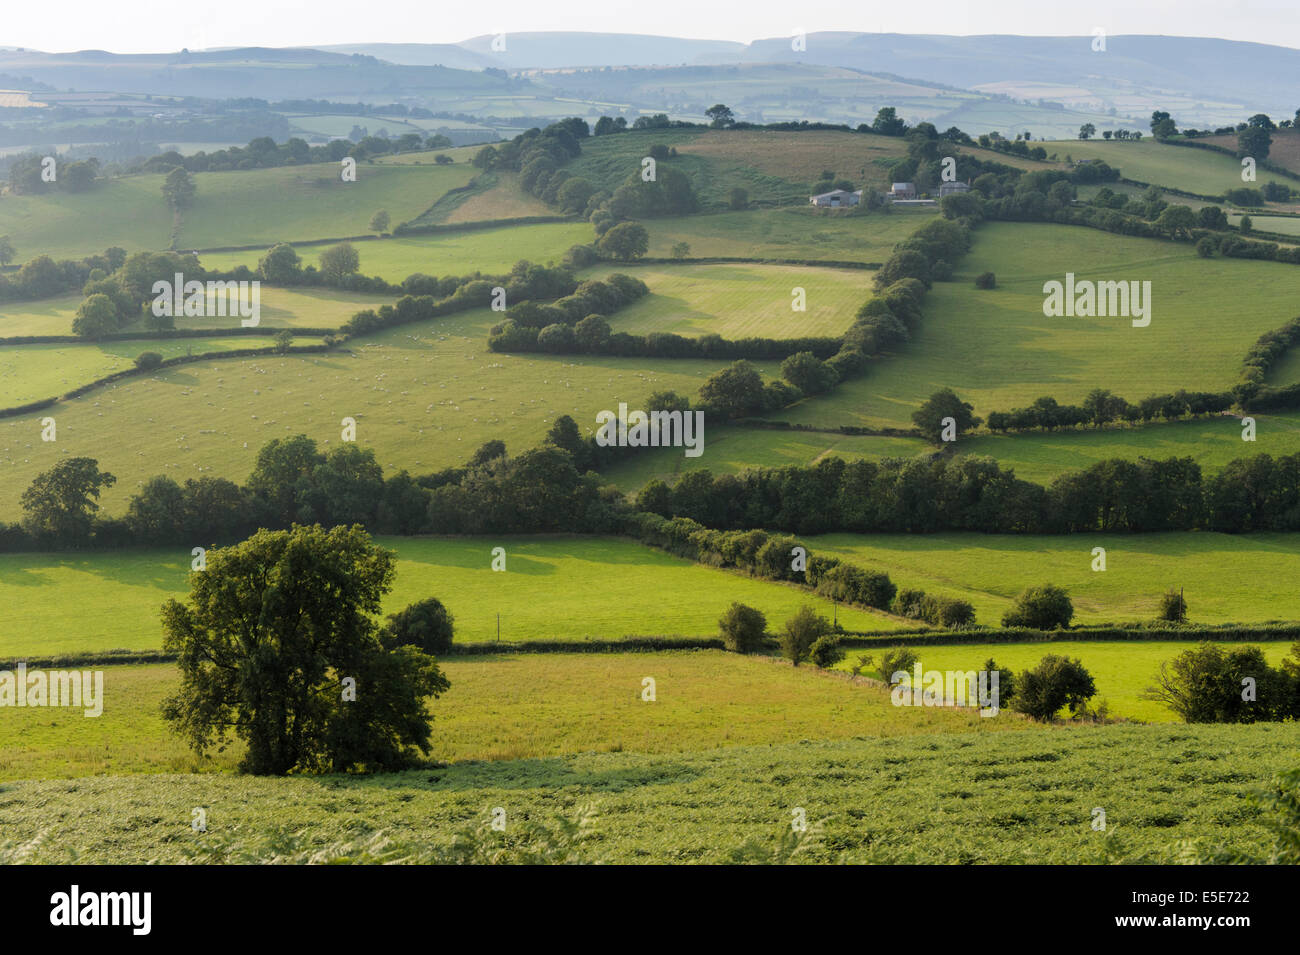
(1211,442)
(741,301)
(788,233)
(1025,797)
(998,350)
(527,706)
(34,372)
(425,396)
(490,251)
(119,594)
(731,450)
(1179,167)
(1122,670)
(304,307)
(1227,578)
(1284,225)
(231,208)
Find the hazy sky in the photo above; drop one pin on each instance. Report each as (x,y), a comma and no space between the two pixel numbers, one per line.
(131,26)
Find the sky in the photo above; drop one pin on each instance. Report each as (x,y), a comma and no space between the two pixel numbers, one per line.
(144,26)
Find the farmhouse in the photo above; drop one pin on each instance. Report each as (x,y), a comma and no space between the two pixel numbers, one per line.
(952,188)
(836,198)
(902,190)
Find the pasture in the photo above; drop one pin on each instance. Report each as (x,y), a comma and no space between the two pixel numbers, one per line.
(741,300)
(516,706)
(785,233)
(489,251)
(1227,578)
(1191,170)
(1122,670)
(871,800)
(731,450)
(627,590)
(425,396)
(997,350)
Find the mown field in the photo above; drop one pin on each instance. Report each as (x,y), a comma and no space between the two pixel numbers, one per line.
(129,213)
(740,301)
(1122,670)
(786,233)
(1025,797)
(552,588)
(490,251)
(998,350)
(524,706)
(1226,578)
(425,396)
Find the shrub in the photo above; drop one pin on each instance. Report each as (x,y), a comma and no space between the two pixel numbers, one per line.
(742,628)
(986,280)
(426,625)
(1206,684)
(826,651)
(1172,607)
(897,660)
(801,631)
(1056,681)
(1041,608)
(148,360)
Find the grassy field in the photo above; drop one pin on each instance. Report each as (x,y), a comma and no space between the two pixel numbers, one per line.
(490,251)
(1226,578)
(1285,150)
(129,213)
(119,594)
(730,450)
(425,396)
(527,706)
(231,208)
(1283,225)
(1122,670)
(1023,797)
(295,203)
(1211,442)
(787,233)
(1192,170)
(741,301)
(310,307)
(998,351)
(33,372)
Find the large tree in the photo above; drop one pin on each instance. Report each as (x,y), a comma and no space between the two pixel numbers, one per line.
(277,645)
(339,261)
(179,189)
(944,404)
(61,503)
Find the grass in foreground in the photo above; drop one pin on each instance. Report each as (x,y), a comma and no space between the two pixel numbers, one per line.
(1019,797)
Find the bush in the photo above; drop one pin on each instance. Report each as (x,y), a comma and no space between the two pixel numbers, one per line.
(426,625)
(1206,684)
(1055,682)
(801,631)
(148,360)
(742,628)
(986,280)
(826,651)
(1172,607)
(1041,608)
(897,660)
